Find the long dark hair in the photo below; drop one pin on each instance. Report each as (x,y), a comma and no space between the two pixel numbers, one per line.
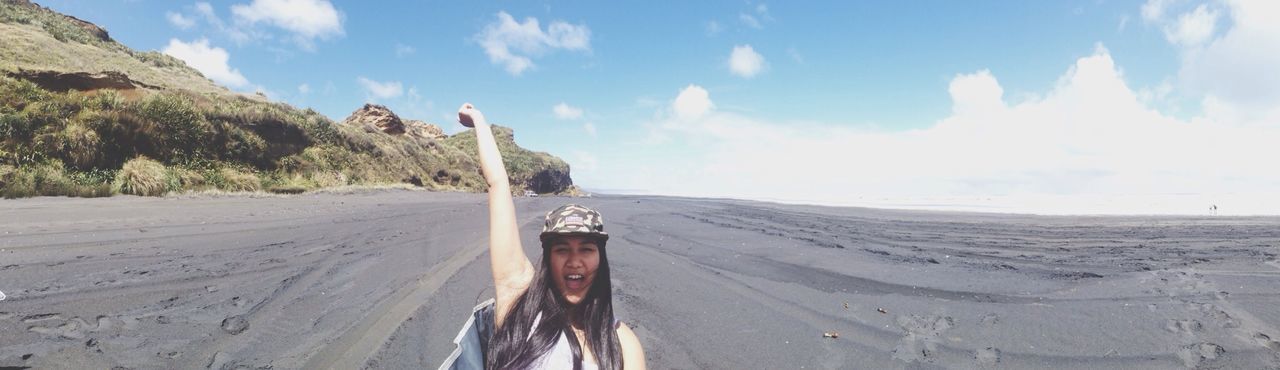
(509,349)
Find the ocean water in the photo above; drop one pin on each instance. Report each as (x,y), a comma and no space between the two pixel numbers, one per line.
(1227,204)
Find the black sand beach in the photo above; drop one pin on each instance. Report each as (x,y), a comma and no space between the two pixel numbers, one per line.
(384,280)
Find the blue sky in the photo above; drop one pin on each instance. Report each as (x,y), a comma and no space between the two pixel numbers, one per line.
(820,83)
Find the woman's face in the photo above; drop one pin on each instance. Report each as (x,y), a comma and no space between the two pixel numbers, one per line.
(574,260)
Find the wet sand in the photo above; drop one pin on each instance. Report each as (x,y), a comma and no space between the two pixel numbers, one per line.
(385,279)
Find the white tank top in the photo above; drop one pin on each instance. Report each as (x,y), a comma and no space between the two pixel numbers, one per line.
(560,356)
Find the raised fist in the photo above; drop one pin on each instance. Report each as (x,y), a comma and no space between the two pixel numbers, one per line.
(468,115)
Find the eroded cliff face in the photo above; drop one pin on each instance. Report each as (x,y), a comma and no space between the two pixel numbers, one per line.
(550,180)
(376,117)
(79,81)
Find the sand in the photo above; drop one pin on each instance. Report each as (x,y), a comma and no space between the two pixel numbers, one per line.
(384,280)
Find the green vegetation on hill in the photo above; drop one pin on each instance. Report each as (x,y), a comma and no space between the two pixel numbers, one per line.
(34,38)
(529,170)
(189,134)
(89,144)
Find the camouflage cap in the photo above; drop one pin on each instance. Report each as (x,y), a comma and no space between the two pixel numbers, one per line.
(573,219)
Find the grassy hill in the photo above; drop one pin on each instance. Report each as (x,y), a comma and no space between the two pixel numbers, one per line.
(175,130)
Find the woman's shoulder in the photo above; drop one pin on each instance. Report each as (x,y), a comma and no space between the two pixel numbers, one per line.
(624,333)
(632,351)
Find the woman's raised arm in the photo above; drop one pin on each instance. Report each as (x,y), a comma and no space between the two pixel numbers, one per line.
(512,271)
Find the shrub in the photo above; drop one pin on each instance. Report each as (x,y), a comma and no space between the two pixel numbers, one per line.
(16,94)
(142,176)
(103,100)
(183,130)
(79,145)
(157,59)
(186,179)
(241,145)
(235,180)
(49,178)
(18,183)
(93,183)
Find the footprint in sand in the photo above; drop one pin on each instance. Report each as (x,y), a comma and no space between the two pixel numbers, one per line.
(989,320)
(1218,314)
(920,339)
(1265,341)
(75,328)
(1192,355)
(1185,327)
(235,324)
(987,356)
(41,317)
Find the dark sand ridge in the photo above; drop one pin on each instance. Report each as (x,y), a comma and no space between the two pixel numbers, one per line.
(385,279)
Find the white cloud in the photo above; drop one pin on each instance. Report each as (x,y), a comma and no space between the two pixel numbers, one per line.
(304,89)
(749,20)
(590,128)
(206,10)
(306,19)
(714,28)
(761,13)
(1124,22)
(381,90)
(513,44)
(1089,134)
(692,103)
(564,111)
(210,61)
(402,50)
(415,106)
(745,61)
(179,20)
(1192,29)
(976,93)
(1233,71)
(1153,10)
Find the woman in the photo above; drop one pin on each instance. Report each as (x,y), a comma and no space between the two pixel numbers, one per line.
(560,315)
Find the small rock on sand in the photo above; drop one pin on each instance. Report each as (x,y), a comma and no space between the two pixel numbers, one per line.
(235,324)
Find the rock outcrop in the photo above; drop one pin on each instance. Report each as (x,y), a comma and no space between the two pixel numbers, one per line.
(424,130)
(92,29)
(81,81)
(549,180)
(376,117)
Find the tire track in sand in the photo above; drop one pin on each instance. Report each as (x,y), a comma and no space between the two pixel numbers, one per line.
(354,348)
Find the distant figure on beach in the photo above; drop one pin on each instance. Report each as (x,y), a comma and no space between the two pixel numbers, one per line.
(559,315)
(1213,210)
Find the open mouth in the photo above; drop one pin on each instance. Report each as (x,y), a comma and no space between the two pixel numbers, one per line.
(575,281)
